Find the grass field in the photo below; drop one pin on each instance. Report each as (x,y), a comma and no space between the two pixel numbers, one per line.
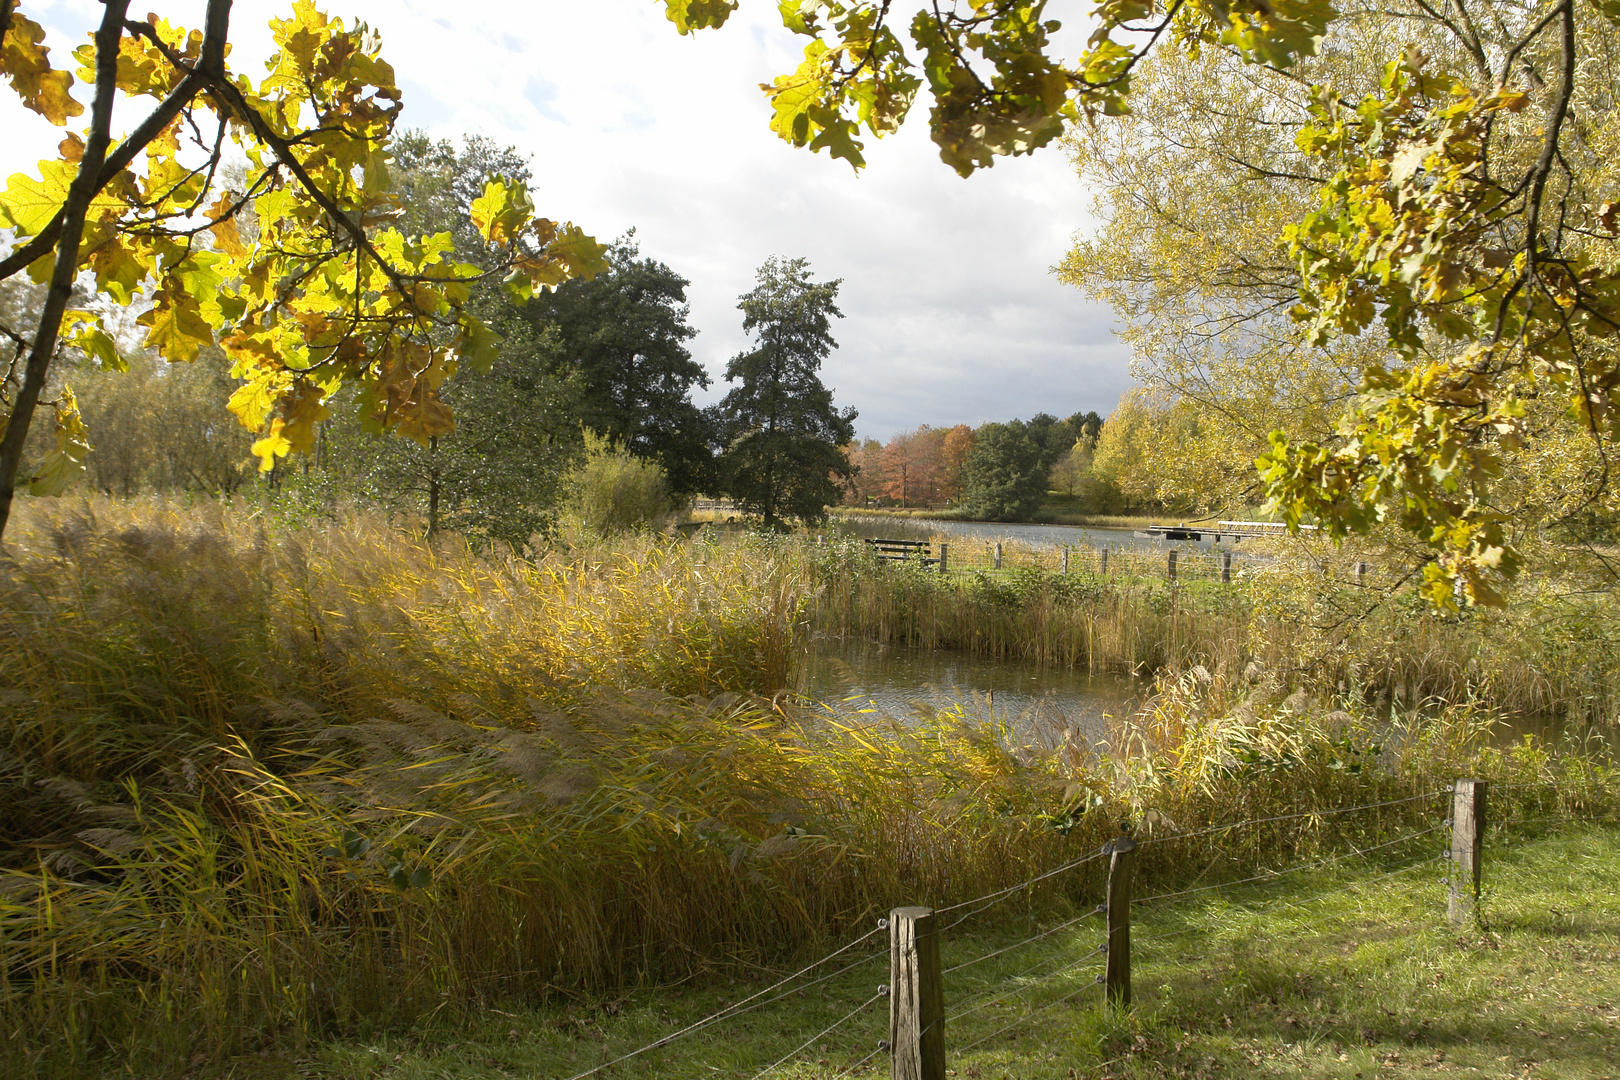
(1348,972)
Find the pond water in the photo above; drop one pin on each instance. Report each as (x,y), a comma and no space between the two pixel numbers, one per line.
(856,679)
(1045,536)
(860,681)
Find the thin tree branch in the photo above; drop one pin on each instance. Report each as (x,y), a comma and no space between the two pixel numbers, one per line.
(117,161)
(80,193)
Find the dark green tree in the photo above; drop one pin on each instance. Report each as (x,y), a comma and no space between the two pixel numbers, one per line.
(1003,478)
(1086,425)
(1051,435)
(784,437)
(623,336)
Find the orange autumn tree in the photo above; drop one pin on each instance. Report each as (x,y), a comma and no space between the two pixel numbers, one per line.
(289,261)
(909,465)
(953,454)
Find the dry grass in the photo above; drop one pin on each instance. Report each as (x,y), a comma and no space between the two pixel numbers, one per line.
(262,783)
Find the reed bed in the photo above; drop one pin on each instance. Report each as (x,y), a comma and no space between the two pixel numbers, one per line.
(1297,611)
(263,784)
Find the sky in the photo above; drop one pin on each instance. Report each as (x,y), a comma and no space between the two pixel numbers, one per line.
(952,314)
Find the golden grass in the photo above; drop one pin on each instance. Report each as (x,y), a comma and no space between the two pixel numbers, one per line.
(261,783)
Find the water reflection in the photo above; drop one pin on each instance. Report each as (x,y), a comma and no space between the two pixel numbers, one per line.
(859,679)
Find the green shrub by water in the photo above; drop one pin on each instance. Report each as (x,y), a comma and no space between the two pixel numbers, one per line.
(613,491)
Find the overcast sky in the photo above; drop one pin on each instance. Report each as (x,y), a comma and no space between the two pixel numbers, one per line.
(952,313)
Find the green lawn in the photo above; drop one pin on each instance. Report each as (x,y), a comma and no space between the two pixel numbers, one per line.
(1349,972)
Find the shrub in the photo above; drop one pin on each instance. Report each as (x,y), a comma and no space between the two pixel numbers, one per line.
(613,491)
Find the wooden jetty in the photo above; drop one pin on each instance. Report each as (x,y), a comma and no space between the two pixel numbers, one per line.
(1232,531)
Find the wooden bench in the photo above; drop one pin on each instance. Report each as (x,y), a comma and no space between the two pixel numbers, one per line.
(903,550)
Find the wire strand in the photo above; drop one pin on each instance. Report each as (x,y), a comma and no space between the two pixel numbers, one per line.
(1070,966)
(1568,818)
(1027,1017)
(834,1026)
(737,1009)
(999,894)
(1021,944)
(977,1001)
(1287,817)
(1160,898)
(850,1069)
(1427,860)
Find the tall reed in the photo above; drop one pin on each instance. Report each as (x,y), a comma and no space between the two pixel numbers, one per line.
(1553,654)
(262,784)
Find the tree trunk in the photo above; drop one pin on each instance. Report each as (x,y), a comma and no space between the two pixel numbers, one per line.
(83,189)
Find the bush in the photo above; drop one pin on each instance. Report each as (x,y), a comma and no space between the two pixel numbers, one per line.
(613,491)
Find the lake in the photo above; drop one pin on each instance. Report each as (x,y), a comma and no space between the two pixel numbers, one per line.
(1042,536)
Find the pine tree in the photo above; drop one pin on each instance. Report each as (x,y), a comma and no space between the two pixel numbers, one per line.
(783,456)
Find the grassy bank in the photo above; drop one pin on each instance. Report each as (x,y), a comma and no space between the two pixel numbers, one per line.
(264,784)
(1345,972)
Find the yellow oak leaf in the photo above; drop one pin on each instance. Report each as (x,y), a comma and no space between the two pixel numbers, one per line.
(227,236)
(689,15)
(25,61)
(425,417)
(253,400)
(84,331)
(63,464)
(272,446)
(119,271)
(175,325)
(300,414)
(502,211)
(28,204)
(479,345)
(580,252)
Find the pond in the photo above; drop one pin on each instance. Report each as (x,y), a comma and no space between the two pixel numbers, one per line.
(860,680)
(856,679)
(1041,536)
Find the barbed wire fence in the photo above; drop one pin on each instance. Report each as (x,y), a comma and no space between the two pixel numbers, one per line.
(917,1023)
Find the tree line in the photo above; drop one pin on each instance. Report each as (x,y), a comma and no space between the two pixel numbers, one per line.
(995,472)
(1376,239)
(584,382)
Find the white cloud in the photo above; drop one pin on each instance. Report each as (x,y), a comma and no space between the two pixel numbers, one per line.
(951,312)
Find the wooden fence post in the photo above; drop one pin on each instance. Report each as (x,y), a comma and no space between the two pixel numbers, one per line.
(1467,837)
(1104,571)
(1172,565)
(1117,977)
(916,996)
(944,552)
(1226,566)
(998,554)
(1065,560)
